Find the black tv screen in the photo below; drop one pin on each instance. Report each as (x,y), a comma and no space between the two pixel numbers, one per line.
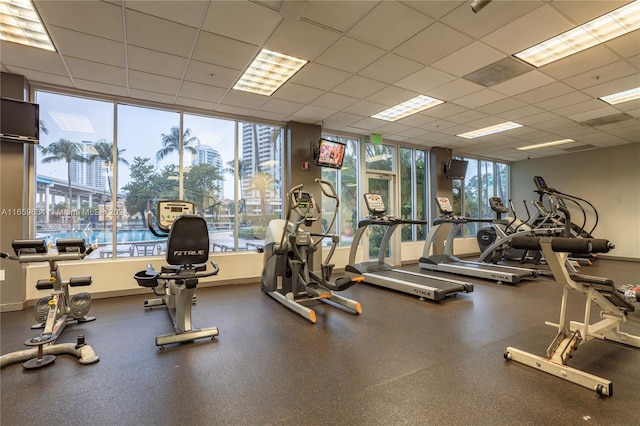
(456,169)
(330,154)
(19,121)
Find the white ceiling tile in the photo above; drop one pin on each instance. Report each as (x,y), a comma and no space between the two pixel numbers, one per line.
(88,47)
(31,58)
(184,12)
(241,20)
(223,51)
(319,76)
(358,87)
(467,116)
(365,108)
(454,89)
(392,95)
(545,92)
(235,110)
(99,87)
(390,68)
(159,34)
(421,47)
(339,15)
(563,101)
(523,83)
(425,80)
(597,112)
(369,123)
(243,99)
(479,98)
(435,9)
(349,55)
(281,106)
(526,31)
(300,39)
(470,58)
(155,62)
(502,105)
(580,12)
(36,75)
(602,75)
(153,83)
(297,93)
(151,96)
(615,86)
(195,103)
(334,101)
(389,25)
(95,71)
(222,77)
(341,119)
(494,16)
(578,63)
(90,17)
(202,92)
(627,45)
(445,110)
(312,113)
(516,114)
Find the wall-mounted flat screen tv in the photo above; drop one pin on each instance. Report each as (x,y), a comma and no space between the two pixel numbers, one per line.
(19,121)
(456,169)
(330,154)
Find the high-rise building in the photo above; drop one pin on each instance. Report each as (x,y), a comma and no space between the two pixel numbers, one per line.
(209,155)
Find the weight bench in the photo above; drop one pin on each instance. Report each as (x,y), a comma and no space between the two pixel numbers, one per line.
(614,311)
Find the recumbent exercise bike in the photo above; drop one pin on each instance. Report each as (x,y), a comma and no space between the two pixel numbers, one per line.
(54,312)
(187,254)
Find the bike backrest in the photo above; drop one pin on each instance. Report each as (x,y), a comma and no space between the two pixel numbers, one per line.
(188,242)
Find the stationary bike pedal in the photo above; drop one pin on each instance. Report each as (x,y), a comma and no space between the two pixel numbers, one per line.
(42,309)
(40,340)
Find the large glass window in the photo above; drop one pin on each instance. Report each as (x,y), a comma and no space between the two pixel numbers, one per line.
(74,164)
(379,157)
(345,181)
(94,186)
(413,192)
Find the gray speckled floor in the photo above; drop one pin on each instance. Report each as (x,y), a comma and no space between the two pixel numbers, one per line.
(403,361)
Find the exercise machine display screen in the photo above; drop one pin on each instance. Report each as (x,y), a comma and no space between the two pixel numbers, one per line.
(374,203)
(540,183)
(444,205)
(168,211)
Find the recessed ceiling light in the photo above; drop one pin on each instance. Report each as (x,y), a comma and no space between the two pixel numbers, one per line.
(545,144)
(20,23)
(626,96)
(507,125)
(72,122)
(614,24)
(407,108)
(268,71)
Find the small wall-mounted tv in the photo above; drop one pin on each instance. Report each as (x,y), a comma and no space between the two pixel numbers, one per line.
(330,154)
(456,169)
(19,121)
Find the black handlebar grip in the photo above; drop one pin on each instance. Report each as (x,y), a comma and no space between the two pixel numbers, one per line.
(572,245)
(526,243)
(600,245)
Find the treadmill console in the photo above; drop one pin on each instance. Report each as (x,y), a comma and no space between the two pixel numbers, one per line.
(168,211)
(375,204)
(444,205)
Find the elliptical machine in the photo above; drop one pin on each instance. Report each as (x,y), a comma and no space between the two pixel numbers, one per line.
(288,274)
(54,312)
(187,254)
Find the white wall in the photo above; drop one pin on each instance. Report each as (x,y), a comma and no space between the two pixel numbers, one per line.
(609,178)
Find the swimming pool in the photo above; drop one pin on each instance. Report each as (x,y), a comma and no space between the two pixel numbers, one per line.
(102,236)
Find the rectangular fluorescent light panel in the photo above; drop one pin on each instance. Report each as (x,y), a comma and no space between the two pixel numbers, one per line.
(614,24)
(268,71)
(545,144)
(407,108)
(19,23)
(507,125)
(626,96)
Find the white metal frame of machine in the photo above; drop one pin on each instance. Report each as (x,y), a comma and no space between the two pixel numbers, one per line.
(572,334)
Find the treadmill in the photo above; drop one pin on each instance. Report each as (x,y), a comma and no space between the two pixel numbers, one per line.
(384,275)
(451,264)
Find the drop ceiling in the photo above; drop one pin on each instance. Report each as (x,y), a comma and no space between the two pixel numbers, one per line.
(364,56)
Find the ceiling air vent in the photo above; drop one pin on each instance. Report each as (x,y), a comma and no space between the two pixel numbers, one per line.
(609,119)
(498,72)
